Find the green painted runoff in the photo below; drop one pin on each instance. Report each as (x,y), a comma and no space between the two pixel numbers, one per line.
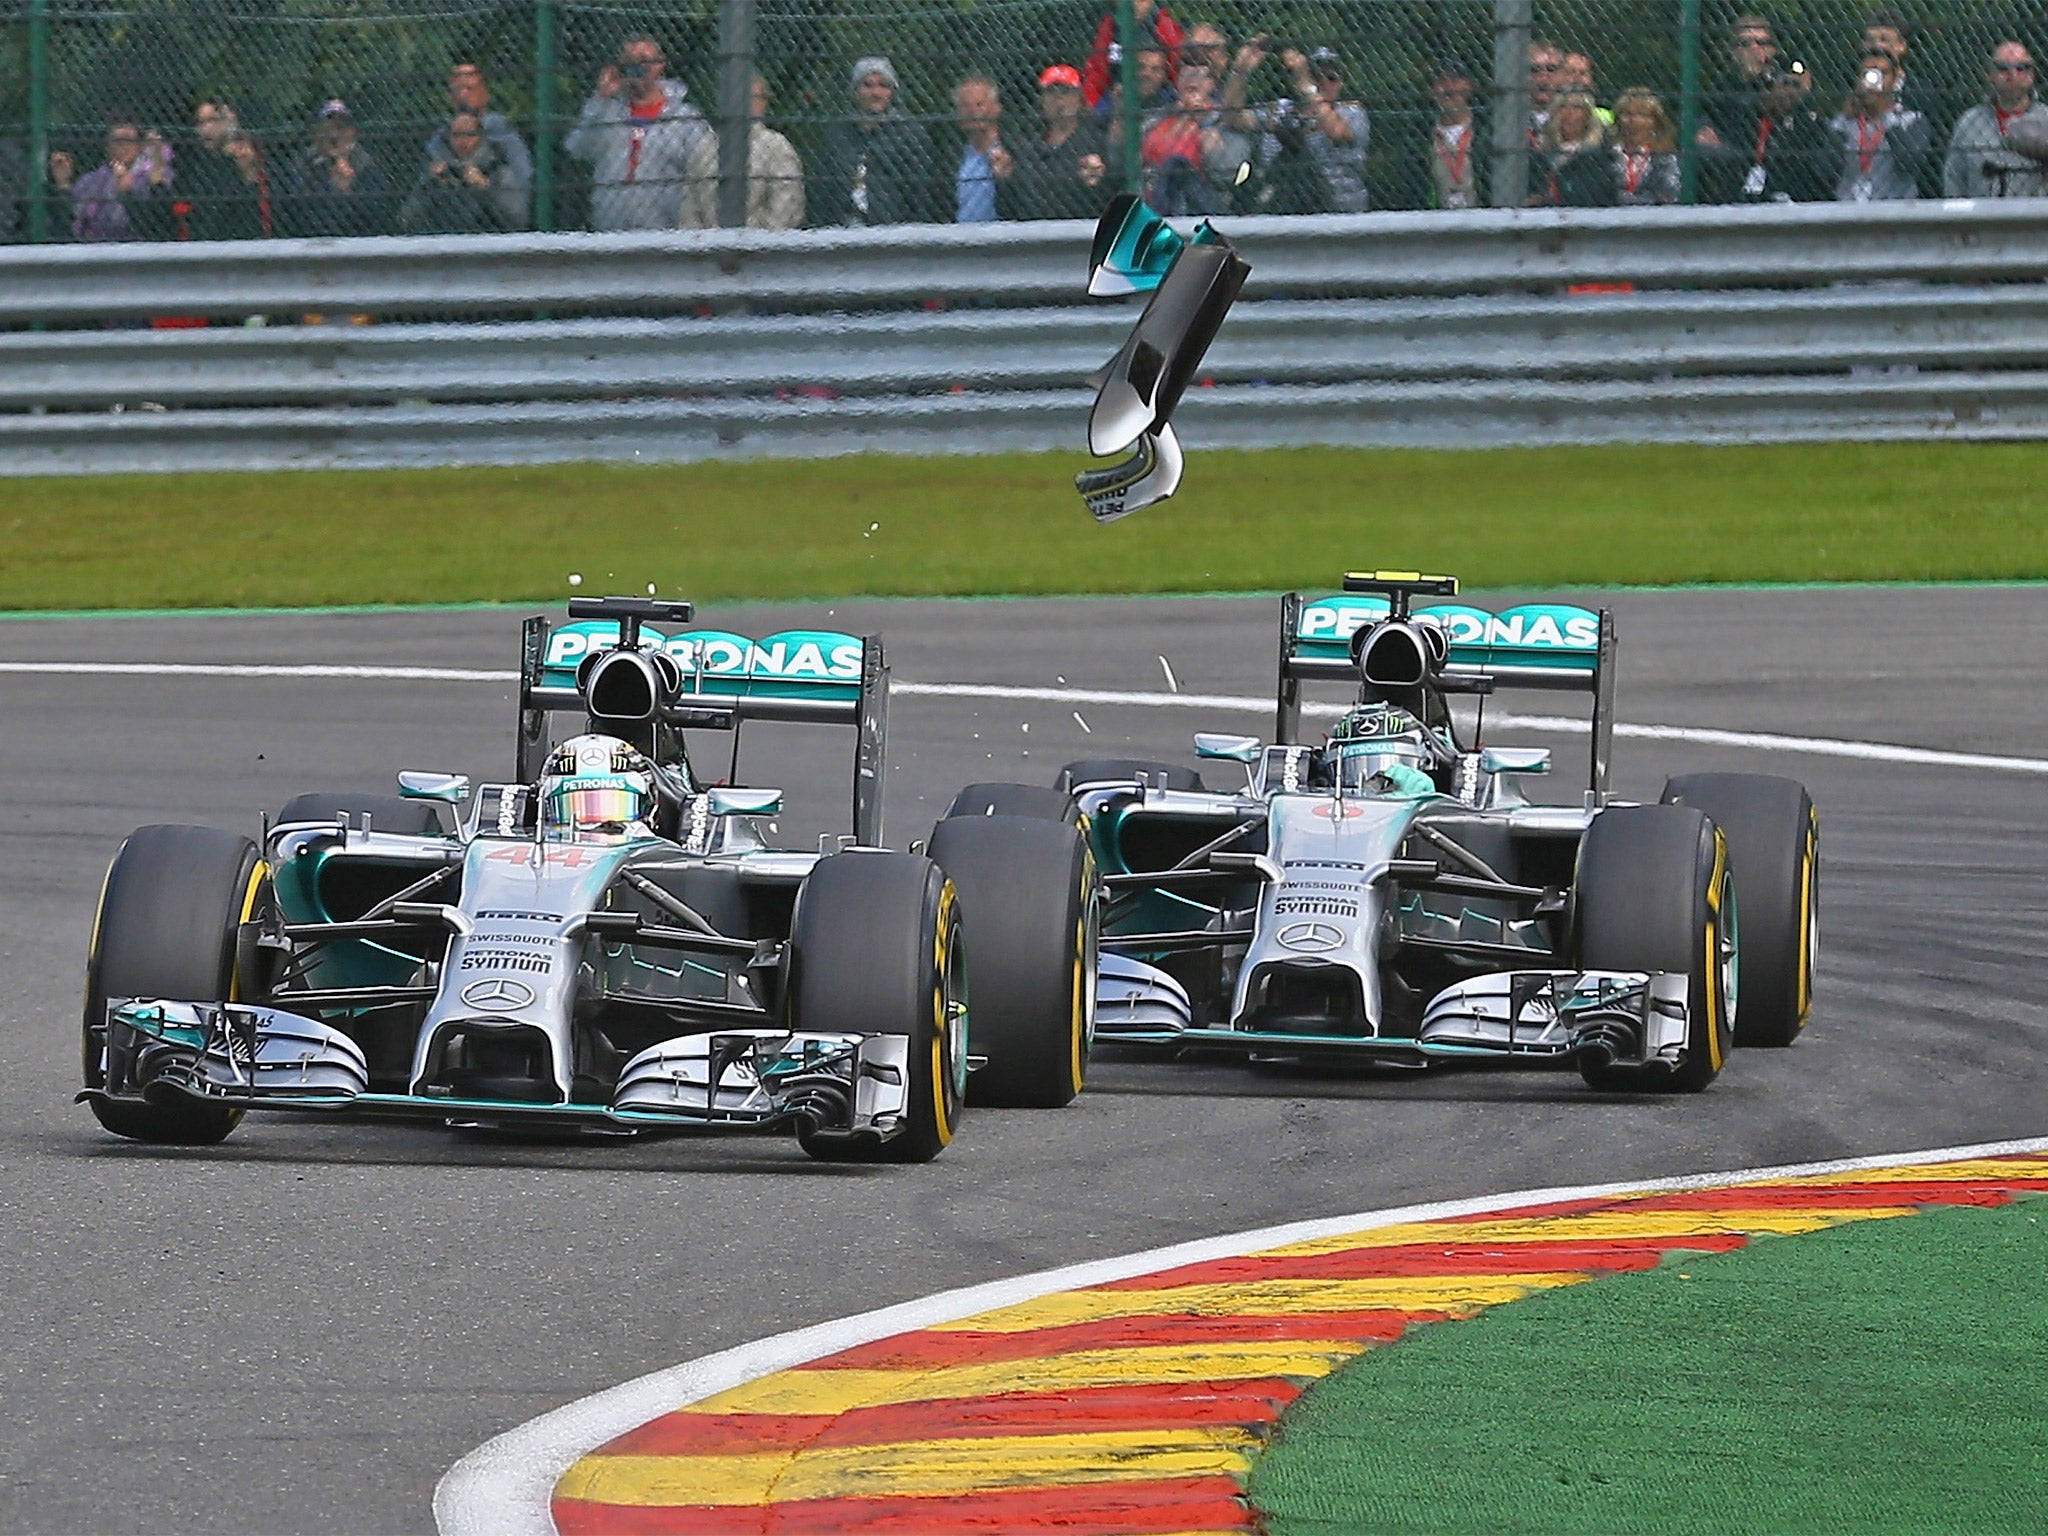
(871,525)
(1884,1376)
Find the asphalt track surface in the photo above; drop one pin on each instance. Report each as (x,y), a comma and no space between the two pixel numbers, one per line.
(299,1331)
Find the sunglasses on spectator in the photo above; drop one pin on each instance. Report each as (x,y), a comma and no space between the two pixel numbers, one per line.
(2012,69)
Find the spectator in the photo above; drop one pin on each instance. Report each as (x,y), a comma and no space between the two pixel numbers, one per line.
(224,190)
(1577,170)
(1155,25)
(470,191)
(1546,68)
(775,174)
(1575,73)
(1732,103)
(1646,151)
(1312,145)
(1191,156)
(337,187)
(876,167)
(1884,31)
(468,91)
(982,173)
(1456,154)
(1979,164)
(1883,144)
(1060,172)
(639,134)
(1209,46)
(127,198)
(1156,96)
(1789,154)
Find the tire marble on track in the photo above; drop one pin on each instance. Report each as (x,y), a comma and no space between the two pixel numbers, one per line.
(301,1330)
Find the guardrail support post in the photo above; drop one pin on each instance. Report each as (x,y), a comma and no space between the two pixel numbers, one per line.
(735,108)
(1132,114)
(39,120)
(544,115)
(1513,21)
(1688,100)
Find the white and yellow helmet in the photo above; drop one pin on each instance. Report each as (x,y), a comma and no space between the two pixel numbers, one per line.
(596,787)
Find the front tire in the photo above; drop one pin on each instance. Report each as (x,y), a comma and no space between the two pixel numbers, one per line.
(1027,894)
(1773,837)
(875,948)
(170,915)
(1028,800)
(1655,893)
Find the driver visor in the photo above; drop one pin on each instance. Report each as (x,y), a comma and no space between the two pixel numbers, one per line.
(593,807)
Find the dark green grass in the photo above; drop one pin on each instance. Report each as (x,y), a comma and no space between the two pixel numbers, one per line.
(875,525)
(1882,1377)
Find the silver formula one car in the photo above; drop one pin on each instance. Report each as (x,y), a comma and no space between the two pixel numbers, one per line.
(1391,895)
(605,943)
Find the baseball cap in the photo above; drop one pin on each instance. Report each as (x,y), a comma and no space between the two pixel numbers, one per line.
(1061,74)
(1325,61)
(337,108)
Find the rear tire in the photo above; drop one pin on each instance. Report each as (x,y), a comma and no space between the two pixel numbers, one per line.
(170,914)
(1031,801)
(1773,837)
(1655,893)
(1096,770)
(387,813)
(875,948)
(1027,898)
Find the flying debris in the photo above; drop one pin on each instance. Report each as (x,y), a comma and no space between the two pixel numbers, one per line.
(1193,283)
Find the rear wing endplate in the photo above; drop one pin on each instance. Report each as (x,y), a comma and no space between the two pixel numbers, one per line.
(1533,645)
(804,676)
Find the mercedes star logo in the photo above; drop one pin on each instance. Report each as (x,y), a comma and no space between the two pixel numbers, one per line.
(497,994)
(1314,938)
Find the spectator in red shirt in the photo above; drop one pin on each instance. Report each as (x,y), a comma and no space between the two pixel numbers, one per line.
(1154,22)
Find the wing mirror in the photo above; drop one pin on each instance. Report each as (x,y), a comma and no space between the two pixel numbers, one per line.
(1514,760)
(1236,749)
(745,802)
(449,788)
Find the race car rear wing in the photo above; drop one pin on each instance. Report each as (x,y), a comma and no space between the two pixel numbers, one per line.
(1532,645)
(709,679)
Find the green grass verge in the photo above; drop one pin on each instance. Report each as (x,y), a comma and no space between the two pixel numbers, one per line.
(874,525)
(1884,1376)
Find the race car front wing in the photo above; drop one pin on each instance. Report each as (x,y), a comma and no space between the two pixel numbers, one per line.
(250,1057)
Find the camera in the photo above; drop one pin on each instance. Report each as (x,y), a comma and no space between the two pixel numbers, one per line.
(635,70)
(1793,73)
(1872,79)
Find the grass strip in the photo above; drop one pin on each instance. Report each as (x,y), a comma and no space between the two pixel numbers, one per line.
(955,526)
(1884,1376)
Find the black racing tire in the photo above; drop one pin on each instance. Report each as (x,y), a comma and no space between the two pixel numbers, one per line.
(1097,770)
(387,813)
(1033,801)
(169,917)
(1773,837)
(1027,899)
(1655,893)
(876,947)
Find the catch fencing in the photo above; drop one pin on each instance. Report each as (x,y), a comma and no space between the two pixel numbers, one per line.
(68,66)
(1531,326)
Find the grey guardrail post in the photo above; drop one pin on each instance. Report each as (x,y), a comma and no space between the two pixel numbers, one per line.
(1513,21)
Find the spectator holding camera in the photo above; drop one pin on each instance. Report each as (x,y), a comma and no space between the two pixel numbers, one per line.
(1313,143)
(1192,156)
(337,187)
(1980,162)
(1645,151)
(1578,170)
(1883,145)
(638,132)
(224,190)
(127,197)
(1061,170)
(1788,154)
(875,167)
(471,190)
(469,91)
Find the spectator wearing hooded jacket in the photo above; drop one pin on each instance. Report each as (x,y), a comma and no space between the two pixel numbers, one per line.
(470,190)
(469,91)
(1979,162)
(128,198)
(875,167)
(639,134)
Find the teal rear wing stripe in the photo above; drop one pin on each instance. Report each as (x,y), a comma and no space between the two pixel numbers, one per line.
(1552,646)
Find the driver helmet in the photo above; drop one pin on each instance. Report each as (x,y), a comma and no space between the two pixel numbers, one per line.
(596,787)
(1379,749)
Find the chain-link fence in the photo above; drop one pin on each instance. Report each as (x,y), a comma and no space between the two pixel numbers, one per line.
(243,118)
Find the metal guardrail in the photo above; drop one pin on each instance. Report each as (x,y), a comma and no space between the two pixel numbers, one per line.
(1424,329)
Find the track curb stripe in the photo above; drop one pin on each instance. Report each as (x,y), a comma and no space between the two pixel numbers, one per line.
(923,1431)
(910,1382)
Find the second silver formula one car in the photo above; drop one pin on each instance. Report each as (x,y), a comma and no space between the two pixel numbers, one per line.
(1391,894)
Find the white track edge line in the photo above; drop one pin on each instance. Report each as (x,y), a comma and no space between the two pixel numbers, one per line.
(504,1487)
(1756,741)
